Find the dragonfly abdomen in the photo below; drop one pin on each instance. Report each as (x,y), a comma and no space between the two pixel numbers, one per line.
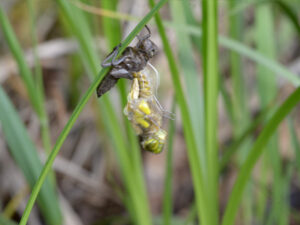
(145,85)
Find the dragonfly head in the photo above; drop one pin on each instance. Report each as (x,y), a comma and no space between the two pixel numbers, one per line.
(147,46)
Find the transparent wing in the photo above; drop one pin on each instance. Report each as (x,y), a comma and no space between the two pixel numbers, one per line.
(154,79)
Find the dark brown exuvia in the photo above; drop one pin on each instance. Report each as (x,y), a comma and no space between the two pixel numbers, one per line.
(133,59)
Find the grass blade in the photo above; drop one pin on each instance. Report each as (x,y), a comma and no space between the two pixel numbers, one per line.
(251,54)
(16,50)
(34,89)
(295,143)
(128,155)
(241,114)
(191,76)
(76,113)
(231,150)
(25,155)
(4,221)
(167,199)
(195,162)
(45,132)
(267,89)
(211,91)
(290,13)
(254,155)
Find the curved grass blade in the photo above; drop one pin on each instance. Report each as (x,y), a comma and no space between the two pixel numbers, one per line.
(255,153)
(195,162)
(25,155)
(16,50)
(284,6)
(238,47)
(34,89)
(290,13)
(230,151)
(128,155)
(257,57)
(76,113)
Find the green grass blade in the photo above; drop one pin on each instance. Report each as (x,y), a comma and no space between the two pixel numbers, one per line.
(191,77)
(231,150)
(195,162)
(295,143)
(285,6)
(266,46)
(228,104)
(35,91)
(128,156)
(257,57)
(5,221)
(267,90)
(111,27)
(76,113)
(167,199)
(112,32)
(241,114)
(25,155)
(245,51)
(260,59)
(190,19)
(16,50)
(211,91)
(255,153)
(285,215)
(289,11)
(39,84)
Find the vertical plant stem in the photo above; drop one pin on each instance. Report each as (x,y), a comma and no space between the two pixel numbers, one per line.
(191,78)
(167,199)
(73,119)
(195,162)
(267,89)
(112,32)
(44,122)
(211,89)
(238,94)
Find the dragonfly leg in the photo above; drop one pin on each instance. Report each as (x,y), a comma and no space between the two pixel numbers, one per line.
(121,73)
(116,62)
(141,39)
(166,113)
(112,56)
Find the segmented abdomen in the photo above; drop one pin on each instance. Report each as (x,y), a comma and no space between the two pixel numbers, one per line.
(145,86)
(144,113)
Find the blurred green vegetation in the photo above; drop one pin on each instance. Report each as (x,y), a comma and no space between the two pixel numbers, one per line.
(206,68)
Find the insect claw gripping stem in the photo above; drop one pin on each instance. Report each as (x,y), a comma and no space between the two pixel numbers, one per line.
(112,56)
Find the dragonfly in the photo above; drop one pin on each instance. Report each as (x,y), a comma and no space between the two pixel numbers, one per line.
(132,60)
(145,112)
(143,109)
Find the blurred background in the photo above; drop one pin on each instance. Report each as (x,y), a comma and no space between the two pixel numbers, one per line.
(50,52)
